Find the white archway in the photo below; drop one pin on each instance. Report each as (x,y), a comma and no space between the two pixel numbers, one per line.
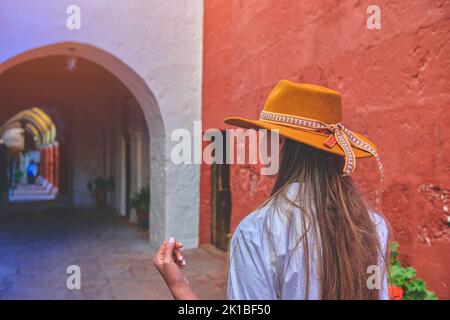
(161,225)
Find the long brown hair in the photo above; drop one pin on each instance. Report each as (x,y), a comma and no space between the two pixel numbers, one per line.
(333,211)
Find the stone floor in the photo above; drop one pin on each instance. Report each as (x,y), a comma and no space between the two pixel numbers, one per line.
(38,243)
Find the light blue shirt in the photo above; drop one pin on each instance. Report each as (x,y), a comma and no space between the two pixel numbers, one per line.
(267,263)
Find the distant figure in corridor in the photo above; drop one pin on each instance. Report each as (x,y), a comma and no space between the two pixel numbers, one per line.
(314,237)
(32,172)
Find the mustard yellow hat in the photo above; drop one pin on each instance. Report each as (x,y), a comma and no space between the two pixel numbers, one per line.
(312,115)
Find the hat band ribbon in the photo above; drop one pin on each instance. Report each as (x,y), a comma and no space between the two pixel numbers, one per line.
(340,134)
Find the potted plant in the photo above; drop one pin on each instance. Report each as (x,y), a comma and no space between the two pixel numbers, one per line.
(18,176)
(140,201)
(403,283)
(100,187)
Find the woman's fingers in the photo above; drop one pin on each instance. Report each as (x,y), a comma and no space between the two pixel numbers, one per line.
(161,249)
(168,253)
(179,259)
(159,256)
(178,254)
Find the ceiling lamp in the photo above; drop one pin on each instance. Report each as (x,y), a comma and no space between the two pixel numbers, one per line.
(71,62)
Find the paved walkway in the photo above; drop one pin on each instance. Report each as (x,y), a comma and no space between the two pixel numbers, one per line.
(38,243)
(35,192)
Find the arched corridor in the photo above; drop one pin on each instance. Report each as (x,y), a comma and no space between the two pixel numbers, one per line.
(31,156)
(103,136)
(113,132)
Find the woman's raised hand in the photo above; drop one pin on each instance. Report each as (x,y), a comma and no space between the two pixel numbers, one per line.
(169,261)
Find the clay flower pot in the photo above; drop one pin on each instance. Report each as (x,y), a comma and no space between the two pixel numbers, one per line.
(142,215)
(100,198)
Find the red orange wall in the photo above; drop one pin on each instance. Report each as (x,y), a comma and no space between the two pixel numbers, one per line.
(395,86)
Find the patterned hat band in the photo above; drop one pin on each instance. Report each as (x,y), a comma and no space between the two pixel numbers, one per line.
(339,134)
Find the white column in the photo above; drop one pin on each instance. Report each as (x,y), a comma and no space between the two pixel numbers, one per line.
(136,148)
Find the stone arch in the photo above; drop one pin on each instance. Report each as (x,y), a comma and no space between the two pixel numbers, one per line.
(148,104)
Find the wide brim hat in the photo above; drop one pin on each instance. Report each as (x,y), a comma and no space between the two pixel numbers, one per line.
(312,115)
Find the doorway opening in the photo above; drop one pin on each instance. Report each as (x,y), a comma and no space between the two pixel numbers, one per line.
(220,202)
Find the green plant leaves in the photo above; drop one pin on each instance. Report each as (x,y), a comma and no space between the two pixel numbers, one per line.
(141,199)
(413,288)
(430,295)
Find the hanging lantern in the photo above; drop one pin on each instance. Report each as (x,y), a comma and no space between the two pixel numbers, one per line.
(71,62)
